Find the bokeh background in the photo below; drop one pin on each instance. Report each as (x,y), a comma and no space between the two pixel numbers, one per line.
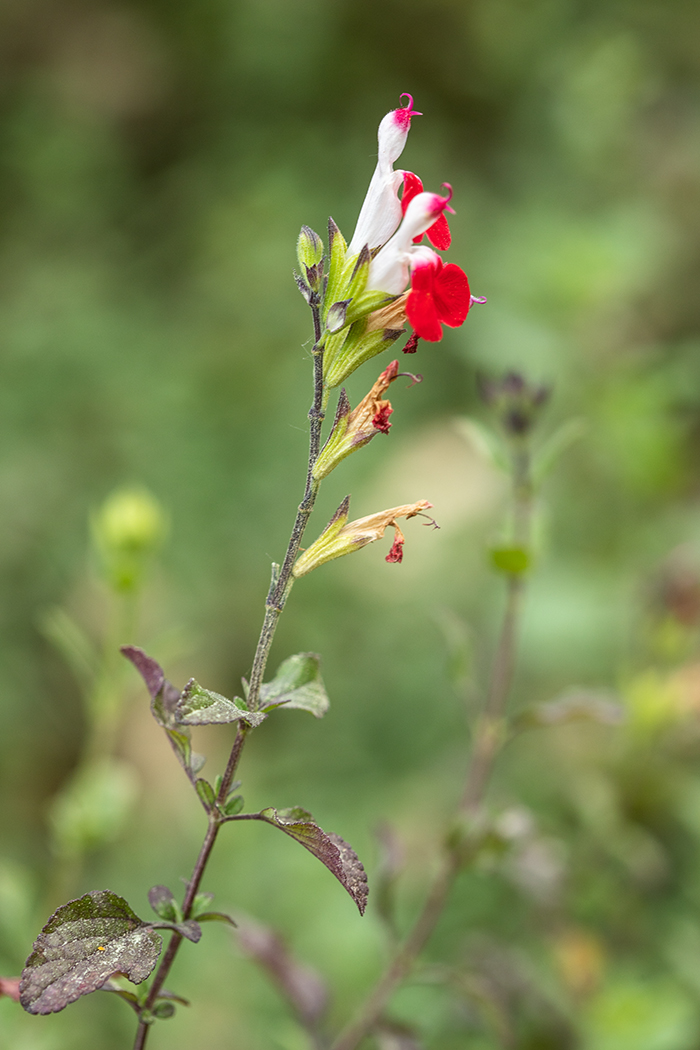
(156,162)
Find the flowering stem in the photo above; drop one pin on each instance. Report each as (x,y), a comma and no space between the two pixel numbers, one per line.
(488,740)
(277,596)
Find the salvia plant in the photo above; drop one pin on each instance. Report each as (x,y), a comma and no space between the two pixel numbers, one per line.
(361,295)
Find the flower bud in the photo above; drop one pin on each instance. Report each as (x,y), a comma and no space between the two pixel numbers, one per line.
(309,248)
(127,528)
(341,537)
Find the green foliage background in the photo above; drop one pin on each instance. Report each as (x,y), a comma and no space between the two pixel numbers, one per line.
(156,162)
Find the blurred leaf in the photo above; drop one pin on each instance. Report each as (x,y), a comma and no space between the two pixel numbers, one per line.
(303,987)
(92,809)
(297,684)
(580,706)
(72,643)
(164,904)
(545,458)
(392,860)
(83,943)
(9,986)
(163,1009)
(232,806)
(133,1000)
(331,850)
(393,1036)
(202,707)
(189,929)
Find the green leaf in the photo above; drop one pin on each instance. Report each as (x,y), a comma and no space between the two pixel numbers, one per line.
(111,985)
(72,643)
(330,849)
(297,684)
(202,707)
(232,805)
(162,1009)
(163,902)
(511,560)
(206,793)
(216,916)
(81,946)
(202,900)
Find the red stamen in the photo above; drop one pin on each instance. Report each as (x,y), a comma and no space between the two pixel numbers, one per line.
(412,344)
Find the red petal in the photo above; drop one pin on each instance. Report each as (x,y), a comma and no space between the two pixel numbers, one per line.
(423,315)
(412,186)
(452,296)
(439,234)
(396,552)
(381,419)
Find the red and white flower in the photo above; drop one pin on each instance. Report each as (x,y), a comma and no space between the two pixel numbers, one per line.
(439,295)
(381,211)
(439,233)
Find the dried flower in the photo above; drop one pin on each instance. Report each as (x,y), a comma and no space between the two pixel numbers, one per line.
(341,537)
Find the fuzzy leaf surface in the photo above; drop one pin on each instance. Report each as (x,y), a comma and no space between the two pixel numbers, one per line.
(298,684)
(340,859)
(202,707)
(83,943)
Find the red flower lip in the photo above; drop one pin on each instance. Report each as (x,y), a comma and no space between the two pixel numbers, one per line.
(439,233)
(439,295)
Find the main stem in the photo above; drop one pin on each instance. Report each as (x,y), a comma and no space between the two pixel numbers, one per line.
(276,600)
(488,740)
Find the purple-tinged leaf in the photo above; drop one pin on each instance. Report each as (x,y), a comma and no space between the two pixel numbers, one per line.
(297,684)
(189,929)
(151,671)
(202,707)
(164,994)
(331,850)
(164,700)
(302,986)
(163,902)
(83,944)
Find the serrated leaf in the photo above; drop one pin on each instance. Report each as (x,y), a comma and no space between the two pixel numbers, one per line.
(340,859)
(216,916)
(163,902)
(202,707)
(297,684)
(81,946)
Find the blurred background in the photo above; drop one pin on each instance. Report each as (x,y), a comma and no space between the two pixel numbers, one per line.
(156,162)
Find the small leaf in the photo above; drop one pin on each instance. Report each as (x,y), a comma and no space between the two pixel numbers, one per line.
(129,997)
(511,560)
(205,792)
(202,707)
(149,669)
(202,900)
(83,943)
(165,994)
(331,850)
(189,929)
(297,684)
(232,806)
(216,916)
(303,987)
(163,1009)
(164,904)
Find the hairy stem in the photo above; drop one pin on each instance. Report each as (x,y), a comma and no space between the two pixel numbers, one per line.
(276,600)
(488,739)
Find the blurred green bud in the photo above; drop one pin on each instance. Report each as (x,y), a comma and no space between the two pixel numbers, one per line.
(163,1009)
(128,527)
(309,248)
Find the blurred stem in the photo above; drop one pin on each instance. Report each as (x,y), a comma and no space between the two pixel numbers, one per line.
(276,599)
(489,737)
